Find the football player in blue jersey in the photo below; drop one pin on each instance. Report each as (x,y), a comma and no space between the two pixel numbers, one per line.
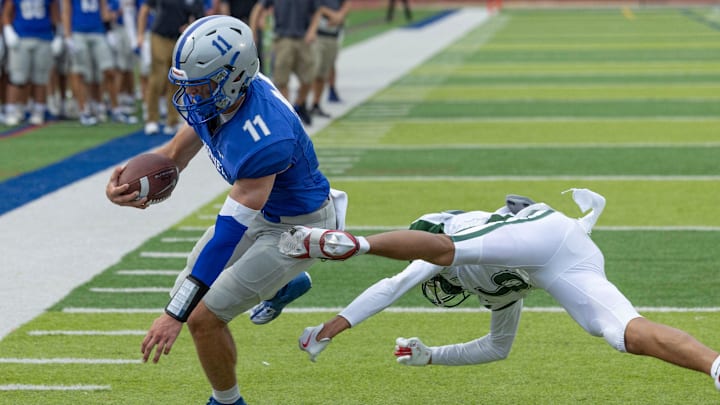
(259,146)
(28,33)
(87,42)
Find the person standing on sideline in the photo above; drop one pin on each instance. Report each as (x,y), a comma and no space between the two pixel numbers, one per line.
(500,258)
(259,146)
(28,33)
(327,47)
(242,10)
(170,19)
(391,10)
(296,24)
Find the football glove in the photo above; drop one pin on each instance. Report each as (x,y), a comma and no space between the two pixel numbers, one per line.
(11,37)
(412,352)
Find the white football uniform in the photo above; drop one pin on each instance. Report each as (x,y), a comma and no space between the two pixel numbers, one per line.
(501,258)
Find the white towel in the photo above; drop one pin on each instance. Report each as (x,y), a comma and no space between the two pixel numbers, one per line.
(340,201)
(588,200)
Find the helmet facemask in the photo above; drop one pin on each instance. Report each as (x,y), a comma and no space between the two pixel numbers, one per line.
(195,108)
(443,293)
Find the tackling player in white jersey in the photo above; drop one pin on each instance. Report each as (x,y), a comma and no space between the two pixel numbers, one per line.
(498,257)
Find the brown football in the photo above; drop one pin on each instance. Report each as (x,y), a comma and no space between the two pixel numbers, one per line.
(154,175)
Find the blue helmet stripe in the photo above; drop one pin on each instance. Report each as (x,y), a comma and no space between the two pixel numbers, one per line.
(186,35)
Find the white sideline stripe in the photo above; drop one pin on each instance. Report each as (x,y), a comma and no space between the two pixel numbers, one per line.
(165,255)
(147,272)
(27,387)
(314,310)
(86,332)
(66,360)
(131,290)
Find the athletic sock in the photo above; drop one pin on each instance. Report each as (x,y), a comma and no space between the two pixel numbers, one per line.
(228,396)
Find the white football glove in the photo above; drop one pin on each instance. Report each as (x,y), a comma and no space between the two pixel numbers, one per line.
(57,45)
(70,45)
(412,352)
(112,40)
(11,37)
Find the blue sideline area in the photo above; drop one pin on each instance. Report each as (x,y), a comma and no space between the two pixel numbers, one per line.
(27,187)
(433,18)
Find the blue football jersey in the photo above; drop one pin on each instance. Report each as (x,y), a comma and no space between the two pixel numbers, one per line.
(266,137)
(32,19)
(86,16)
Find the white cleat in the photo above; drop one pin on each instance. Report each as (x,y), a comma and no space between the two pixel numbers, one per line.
(302,242)
(308,341)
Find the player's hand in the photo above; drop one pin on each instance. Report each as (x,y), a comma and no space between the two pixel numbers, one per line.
(163,333)
(70,45)
(57,45)
(412,352)
(11,37)
(117,192)
(112,40)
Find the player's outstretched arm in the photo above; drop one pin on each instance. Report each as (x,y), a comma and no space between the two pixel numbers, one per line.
(303,242)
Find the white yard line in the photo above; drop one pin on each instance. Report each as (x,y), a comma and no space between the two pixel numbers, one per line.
(87,332)
(60,241)
(148,272)
(66,360)
(28,387)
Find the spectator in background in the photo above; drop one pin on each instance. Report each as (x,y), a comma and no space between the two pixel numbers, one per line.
(141,52)
(123,29)
(60,105)
(86,38)
(171,18)
(295,29)
(327,46)
(391,10)
(242,10)
(28,33)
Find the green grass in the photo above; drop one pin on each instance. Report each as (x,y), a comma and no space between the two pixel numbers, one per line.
(533,102)
(558,365)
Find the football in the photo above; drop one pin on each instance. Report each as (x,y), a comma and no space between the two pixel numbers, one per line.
(154,176)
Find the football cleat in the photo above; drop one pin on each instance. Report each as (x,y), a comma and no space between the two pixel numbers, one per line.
(268,310)
(213,401)
(302,242)
(308,341)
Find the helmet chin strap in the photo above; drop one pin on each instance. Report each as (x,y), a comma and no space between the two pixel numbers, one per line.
(230,112)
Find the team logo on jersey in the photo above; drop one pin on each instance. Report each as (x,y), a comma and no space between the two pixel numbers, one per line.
(507,282)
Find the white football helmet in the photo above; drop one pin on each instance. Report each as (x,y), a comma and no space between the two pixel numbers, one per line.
(217,52)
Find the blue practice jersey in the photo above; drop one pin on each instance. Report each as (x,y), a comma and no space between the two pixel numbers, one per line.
(86,16)
(32,19)
(265,137)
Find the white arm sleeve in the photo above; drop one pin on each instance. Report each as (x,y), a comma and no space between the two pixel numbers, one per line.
(491,347)
(386,291)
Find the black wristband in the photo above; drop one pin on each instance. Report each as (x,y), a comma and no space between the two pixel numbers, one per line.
(186,298)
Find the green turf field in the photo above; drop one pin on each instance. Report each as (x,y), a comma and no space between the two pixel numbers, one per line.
(624,102)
